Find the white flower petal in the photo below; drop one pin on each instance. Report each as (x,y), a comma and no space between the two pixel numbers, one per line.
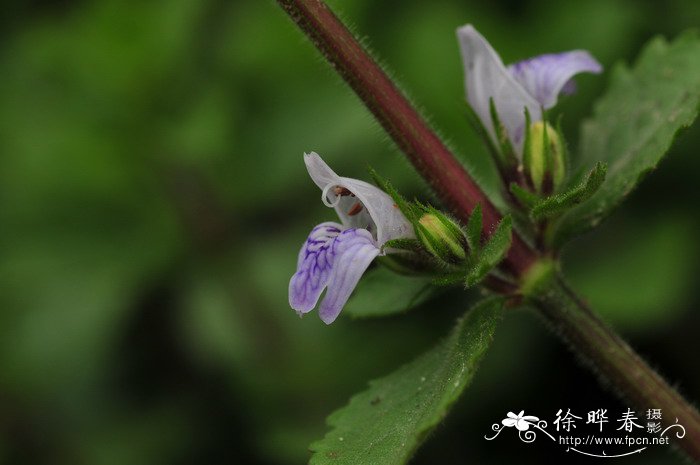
(320,172)
(368,207)
(485,78)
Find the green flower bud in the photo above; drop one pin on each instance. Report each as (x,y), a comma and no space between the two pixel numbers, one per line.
(442,237)
(544,158)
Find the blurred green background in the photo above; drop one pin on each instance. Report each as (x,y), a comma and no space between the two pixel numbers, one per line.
(153,199)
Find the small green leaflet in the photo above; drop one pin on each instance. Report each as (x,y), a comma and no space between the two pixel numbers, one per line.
(386,423)
(474,228)
(634,125)
(507,153)
(526,198)
(410,211)
(560,203)
(492,253)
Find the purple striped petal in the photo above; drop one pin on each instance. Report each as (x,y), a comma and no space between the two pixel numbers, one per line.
(354,250)
(313,267)
(546,76)
(333,259)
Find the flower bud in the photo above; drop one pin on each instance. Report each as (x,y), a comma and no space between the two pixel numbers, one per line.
(442,237)
(544,158)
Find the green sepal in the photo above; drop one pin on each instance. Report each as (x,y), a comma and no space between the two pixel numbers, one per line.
(527,147)
(474,229)
(526,198)
(407,263)
(507,157)
(492,253)
(547,148)
(449,279)
(558,204)
(565,154)
(441,236)
(410,211)
(448,222)
(429,242)
(411,245)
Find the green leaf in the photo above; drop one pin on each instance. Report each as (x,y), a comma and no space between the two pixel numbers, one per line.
(386,423)
(493,252)
(474,228)
(560,203)
(635,123)
(381,292)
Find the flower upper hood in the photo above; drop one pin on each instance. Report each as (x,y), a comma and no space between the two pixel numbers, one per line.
(533,84)
(379,214)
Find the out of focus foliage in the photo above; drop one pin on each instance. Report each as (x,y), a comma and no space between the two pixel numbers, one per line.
(153,199)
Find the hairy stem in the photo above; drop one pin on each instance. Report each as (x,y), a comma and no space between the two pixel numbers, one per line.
(400,119)
(609,356)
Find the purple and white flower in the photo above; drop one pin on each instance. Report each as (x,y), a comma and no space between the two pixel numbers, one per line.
(335,255)
(534,83)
